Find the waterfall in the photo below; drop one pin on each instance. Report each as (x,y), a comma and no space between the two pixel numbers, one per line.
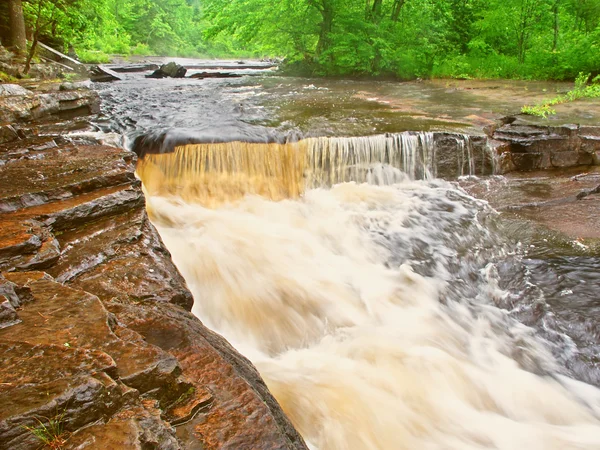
(220,172)
(366,298)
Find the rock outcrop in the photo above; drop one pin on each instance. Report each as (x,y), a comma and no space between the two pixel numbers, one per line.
(523,147)
(20,104)
(96,338)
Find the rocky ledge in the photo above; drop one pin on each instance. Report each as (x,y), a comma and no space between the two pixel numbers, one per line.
(98,346)
(525,146)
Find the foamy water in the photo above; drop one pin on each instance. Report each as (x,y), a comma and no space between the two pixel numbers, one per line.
(370,313)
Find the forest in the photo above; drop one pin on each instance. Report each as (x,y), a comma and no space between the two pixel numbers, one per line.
(404,39)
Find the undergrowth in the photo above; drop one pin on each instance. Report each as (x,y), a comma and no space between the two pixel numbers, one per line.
(6,78)
(581,90)
(93,57)
(51,433)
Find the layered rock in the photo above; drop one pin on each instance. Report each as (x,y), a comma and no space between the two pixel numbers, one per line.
(522,146)
(20,104)
(96,336)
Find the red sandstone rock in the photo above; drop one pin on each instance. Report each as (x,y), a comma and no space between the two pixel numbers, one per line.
(100,336)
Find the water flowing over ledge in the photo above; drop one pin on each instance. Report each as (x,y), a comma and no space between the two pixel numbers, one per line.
(277,171)
(368,292)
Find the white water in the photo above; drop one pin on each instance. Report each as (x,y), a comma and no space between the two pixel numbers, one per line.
(323,295)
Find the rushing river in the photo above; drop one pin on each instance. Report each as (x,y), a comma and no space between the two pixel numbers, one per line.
(384,308)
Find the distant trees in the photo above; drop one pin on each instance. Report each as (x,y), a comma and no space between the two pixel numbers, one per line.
(402,38)
(409,38)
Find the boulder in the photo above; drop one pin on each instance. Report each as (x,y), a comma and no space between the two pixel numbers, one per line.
(169,70)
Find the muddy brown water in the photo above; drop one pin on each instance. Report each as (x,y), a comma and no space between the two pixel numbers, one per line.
(540,245)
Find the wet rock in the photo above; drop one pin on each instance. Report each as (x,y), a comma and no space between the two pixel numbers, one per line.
(584,194)
(457,155)
(102,74)
(172,70)
(13,90)
(560,200)
(131,428)
(59,173)
(8,134)
(129,68)
(7,290)
(21,104)
(241,413)
(68,317)
(564,159)
(528,161)
(19,237)
(68,104)
(71,86)
(536,147)
(8,315)
(90,340)
(53,382)
(202,75)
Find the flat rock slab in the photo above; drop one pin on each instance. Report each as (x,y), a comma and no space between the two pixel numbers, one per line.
(136,428)
(44,381)
(19,104)
(560,200)
(61,172)
(8,90)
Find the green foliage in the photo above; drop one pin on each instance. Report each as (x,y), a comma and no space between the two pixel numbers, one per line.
(50,432)
(93,57)
(141,49)
(581,90)
(525,39)
(6,78)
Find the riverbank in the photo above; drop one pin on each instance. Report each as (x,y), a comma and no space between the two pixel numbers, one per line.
(96,332)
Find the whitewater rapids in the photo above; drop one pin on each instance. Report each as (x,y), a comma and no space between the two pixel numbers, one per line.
(370,312)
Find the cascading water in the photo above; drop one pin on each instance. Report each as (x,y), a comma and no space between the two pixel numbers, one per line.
(228,171)
(365,292)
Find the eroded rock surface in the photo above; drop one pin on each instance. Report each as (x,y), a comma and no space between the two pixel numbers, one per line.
(95,328)
(524,146)
(20,104)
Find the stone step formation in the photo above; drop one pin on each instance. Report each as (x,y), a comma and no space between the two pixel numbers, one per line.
(96,336)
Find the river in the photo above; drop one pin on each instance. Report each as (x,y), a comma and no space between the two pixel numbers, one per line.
(385,308)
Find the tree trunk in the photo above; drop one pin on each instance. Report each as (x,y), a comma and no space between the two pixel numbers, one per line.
(556,25)
(31,53)
(326,27)
(376,10)
(18,40)
(396,8)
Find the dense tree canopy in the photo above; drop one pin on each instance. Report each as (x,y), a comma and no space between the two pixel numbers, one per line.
(403,38)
